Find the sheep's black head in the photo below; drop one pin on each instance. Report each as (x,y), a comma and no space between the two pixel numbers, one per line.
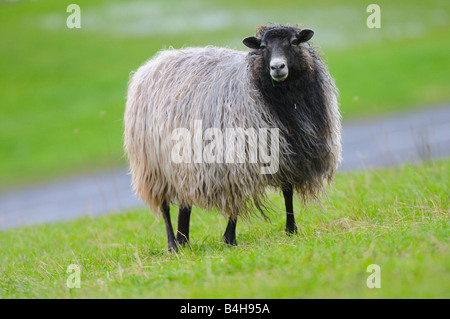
(280,47)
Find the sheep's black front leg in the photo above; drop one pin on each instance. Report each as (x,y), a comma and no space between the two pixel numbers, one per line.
(184,217)
(230,233)
(291,227)
(172,243)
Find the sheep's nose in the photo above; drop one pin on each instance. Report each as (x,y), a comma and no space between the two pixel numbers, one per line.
(277,66)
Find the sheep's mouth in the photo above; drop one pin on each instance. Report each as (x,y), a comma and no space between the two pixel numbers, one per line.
(279,78)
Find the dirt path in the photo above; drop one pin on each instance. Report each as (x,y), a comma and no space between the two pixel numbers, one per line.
(383,141)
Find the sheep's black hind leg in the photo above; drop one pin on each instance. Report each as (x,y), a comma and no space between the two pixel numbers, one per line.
(172,244)
(291,227)
(230,233)
(184,217)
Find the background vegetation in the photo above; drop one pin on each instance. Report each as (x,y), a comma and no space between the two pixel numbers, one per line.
(55,80)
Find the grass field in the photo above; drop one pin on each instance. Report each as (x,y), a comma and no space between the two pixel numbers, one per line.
(395,218)
(55,81)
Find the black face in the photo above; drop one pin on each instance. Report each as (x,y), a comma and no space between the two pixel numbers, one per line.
(280,48)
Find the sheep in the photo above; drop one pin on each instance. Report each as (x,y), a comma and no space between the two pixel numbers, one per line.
(281,84)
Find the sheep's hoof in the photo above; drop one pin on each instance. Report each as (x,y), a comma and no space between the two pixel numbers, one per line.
(173,247)
(230,241)
(172,250)
(182,240)
(292,230)
(183,243)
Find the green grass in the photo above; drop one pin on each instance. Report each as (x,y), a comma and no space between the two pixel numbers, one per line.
(54,80)
(396,218)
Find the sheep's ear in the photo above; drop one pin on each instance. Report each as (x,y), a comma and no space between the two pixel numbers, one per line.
(303,36)
(252,42)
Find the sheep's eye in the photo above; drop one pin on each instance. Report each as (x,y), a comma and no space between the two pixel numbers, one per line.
(263,46)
